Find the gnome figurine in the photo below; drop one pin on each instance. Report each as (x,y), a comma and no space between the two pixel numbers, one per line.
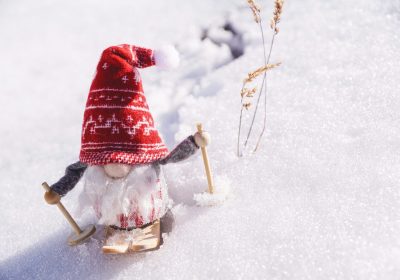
(122,153)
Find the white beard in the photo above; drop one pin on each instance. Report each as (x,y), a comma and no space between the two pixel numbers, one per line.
(141,196)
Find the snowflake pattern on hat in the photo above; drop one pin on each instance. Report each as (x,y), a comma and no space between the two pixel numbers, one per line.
(118,126)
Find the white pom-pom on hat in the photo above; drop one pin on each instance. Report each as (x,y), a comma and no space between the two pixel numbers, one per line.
(166,57)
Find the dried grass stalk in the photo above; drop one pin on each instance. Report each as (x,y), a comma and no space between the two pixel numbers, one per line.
(249,93)
(277,15)
(252,75)
(255,9)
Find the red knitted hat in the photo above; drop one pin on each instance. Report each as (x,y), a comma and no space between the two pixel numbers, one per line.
(117,124)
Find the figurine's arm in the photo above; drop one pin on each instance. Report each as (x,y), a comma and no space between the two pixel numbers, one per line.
(73,174)
(184,150)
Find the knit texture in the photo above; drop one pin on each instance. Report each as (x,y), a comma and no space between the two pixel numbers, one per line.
(73,174)
(75,171)
(118,126)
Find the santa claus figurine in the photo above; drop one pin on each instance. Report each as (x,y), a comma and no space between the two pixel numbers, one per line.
(122,153)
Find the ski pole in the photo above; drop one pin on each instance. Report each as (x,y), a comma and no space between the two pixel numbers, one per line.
(66,214)
(79,234)
(206,163)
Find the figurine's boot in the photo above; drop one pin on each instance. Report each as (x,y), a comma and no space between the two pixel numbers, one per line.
(146,238)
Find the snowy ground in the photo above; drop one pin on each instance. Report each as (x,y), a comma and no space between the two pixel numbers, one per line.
(319,201)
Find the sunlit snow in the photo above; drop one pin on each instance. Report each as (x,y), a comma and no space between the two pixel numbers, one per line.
(319,200)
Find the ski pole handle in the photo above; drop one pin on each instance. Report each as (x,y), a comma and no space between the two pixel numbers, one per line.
(66,214)
(206,163)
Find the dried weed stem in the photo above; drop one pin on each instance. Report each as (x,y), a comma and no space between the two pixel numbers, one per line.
(247,93)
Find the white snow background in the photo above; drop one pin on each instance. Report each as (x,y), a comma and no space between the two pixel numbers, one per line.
(320,199)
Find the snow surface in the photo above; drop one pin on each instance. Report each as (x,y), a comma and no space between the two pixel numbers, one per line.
(320,200)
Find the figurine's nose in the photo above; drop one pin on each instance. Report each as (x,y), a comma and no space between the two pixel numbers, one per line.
(117,170)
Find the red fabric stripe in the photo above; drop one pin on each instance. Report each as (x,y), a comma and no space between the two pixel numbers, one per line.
(117,111)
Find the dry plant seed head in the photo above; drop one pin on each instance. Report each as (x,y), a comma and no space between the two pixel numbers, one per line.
(247,105)
(245,92)
(251,92)
(272,24)
(255,9)
(277,15)
(252,75)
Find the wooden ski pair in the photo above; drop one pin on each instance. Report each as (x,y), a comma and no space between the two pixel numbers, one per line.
(135,240)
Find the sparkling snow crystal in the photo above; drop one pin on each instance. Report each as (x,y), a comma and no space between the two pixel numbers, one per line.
(319,200)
